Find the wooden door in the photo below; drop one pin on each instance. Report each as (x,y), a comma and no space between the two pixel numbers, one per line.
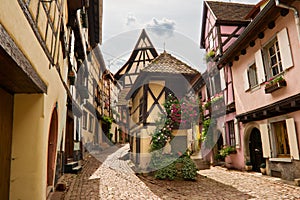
(256,153)
(52,144)
(6,121)
(69,146)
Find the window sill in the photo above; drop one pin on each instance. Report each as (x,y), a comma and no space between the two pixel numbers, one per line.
(281,160)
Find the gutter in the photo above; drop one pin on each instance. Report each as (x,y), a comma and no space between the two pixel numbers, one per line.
(296,15)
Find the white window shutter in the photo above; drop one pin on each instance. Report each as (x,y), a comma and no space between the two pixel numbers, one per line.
(222,77)
(245,79)
(237,133)
(259,67)
(224,134)
(293,142)
(264,133)
(285,49)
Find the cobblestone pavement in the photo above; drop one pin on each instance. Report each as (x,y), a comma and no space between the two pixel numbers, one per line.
(255,184)
(118,181)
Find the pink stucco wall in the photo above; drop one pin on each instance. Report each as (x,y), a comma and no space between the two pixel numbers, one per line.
(250,100)
(247,101)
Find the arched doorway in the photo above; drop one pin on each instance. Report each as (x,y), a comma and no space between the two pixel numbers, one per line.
(255,149)
(52,144)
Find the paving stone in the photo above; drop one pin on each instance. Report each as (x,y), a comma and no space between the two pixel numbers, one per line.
(254,184)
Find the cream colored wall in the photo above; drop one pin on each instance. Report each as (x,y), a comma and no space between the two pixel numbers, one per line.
(135,104)
(32,112)
(156,87)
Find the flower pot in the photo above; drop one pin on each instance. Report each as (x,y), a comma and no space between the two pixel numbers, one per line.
(263,170)
(248,167)
(275,86)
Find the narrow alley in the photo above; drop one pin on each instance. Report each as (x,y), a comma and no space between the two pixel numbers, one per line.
(115,179)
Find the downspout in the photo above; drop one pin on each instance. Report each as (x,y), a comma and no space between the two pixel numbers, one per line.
(296,15)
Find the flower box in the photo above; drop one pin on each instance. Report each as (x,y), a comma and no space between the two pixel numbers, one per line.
(275,86)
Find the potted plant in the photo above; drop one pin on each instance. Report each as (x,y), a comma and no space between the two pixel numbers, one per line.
(263,169)
(275,84)
(248,165)
(210,55)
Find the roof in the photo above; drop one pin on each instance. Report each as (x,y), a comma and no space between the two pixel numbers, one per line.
(234,13)
(229,11)
(143,44)
(166,63)
(259,24)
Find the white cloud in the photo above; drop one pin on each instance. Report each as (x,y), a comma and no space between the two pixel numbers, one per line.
(164,27)
(131,19)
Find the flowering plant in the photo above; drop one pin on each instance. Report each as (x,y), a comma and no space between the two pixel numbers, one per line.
(178,113)
(273,81)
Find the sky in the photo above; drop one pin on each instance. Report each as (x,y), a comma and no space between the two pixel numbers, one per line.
(172,25)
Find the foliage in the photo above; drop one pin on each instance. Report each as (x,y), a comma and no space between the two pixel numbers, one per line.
(248,163)
(211,54)
(272,81)
(169,167)
(181,113)
(263,165)
(168,172)
(189,169)
(214,100)
(225,151)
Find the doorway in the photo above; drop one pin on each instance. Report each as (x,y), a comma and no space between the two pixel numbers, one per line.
(6,124)
(255,148)
(52,144)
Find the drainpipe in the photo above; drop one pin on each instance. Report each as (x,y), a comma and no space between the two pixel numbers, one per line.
(296,15)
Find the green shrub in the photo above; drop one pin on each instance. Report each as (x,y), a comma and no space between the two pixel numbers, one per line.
(170,168)
(189,169)
(168,172)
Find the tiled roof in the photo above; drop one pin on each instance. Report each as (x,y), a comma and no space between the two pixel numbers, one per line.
(122,97)
(229,11)
(165,63)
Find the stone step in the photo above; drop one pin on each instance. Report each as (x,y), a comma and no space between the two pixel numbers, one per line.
(201,164)
(70,166)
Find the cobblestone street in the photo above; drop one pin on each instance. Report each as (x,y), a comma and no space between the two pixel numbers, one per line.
(255,184)
(114,179)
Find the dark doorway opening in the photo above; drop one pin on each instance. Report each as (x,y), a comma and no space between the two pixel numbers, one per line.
(255,147)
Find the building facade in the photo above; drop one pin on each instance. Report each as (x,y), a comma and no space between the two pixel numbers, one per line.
(264,69)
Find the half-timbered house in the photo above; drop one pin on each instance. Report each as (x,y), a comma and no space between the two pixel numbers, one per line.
(265,69)
(143,53)
(223,23)
(163,76)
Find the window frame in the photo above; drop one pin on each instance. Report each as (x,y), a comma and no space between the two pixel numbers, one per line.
(275,141)
(256,84)
(91,123)
(266,58)
(84,120)
(231,133)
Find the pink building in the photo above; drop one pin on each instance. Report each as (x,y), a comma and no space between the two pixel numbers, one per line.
(223,23)
(265,68)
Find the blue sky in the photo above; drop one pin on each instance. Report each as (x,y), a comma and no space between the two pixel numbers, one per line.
(174,25)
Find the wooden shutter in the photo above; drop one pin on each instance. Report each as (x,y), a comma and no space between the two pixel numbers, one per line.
(285,49)
(222,78)
(293,142)
(224,134)
(245,80)
(259,67)
(264,132)
(237,133)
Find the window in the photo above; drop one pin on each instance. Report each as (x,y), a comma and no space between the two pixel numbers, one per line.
(231,133)
(281,139)
(91,124)
(84,120)
(215,84)
(252,76)
(273,58)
